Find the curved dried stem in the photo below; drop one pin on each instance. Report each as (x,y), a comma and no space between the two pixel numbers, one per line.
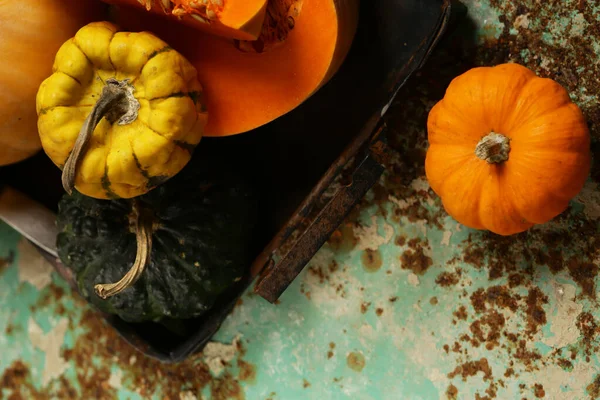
(115,103)
(143,227)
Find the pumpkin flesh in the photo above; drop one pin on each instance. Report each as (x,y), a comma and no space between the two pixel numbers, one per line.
(248,84)
(29,39)
(549,149)
(123,159)
(234,19)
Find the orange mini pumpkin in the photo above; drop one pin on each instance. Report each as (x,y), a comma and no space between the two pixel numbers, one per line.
(508,149)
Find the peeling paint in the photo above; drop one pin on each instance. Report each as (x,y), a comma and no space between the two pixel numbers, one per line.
(217,354)
(564,317)
(50,344)
(33,268)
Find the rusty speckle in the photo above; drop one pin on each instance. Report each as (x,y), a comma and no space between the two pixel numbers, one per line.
(247,371)
(536,316)
(585,275)
(452,392)
(414,258)
(461,313)
(371,260)
(433,301)
(446,348)
(400,241)
(538,391)
(494,296)
(379,311)
(364,307)
(356,361)
(446,279)
(305,383)
(6,261)
(593,389)
(329,354)
(343,239)
(471,368)
(393,299)
(587,325)
(488,328)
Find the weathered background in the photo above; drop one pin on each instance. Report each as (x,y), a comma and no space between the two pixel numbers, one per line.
(402,303)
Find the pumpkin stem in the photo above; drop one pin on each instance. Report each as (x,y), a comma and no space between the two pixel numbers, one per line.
(115,103)
(493,148)
(143,226)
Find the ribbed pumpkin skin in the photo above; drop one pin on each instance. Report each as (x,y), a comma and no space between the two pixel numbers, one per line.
(200,248)
(549,158)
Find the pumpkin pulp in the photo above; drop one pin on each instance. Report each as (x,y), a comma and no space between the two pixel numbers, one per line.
(250,83)
(234,19)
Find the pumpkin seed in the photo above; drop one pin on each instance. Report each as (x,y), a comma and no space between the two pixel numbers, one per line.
(166,5)
(199,19)
(211,14)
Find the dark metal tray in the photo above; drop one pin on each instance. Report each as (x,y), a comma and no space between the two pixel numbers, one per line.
(311,166)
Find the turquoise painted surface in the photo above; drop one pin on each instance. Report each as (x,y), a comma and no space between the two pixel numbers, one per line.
(402,303)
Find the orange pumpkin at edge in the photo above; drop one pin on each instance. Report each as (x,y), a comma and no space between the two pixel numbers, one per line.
(30,35)
(507,149)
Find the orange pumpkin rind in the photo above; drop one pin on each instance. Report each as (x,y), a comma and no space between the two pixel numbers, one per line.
(508,150)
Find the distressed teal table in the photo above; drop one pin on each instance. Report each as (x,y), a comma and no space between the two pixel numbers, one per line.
(401,303)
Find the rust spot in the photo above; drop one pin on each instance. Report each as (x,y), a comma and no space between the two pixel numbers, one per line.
(446,279)
(6,261)
(565,364)
(471,368)
(585,276)
(452,392)
(364,307)
(331,345)
(379,312)
(461,313)
(433,301)
(400,241)
(343,239)
(494,296)
(593,389)
(414,258)
(587,325)
(355,361)
(247,371)
(329,354)
(536,316)
(393,299)
(527,357)
(226,388)
(515,280)
(538,391)
(488,328)
(305,383)
(509,372)
(456,347)
(371,260)
(446,348)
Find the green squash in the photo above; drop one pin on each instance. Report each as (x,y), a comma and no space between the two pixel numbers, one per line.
(199,228)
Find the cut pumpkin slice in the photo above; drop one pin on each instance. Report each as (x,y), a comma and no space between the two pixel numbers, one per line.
(234,19)
(250,83)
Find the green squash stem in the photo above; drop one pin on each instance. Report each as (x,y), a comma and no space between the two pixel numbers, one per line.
(143,227)
(115,103)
